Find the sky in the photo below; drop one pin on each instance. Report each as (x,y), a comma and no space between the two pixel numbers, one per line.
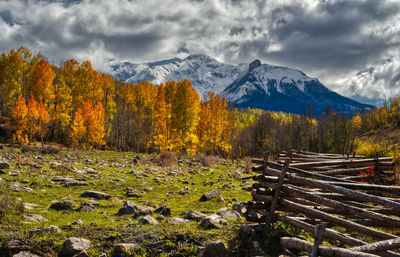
(352,47)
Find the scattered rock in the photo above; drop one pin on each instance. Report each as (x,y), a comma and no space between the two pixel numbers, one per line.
(33,218)
(178,220)
(25,254)
(160,217)
(78,223)
(74,183)
(184,191)
(49,229)
(229,214)
(148,220)
(240,207)
(195,215)
(4,165)
(163,210)
(210,195)
(212,221)
(215,249)
(75,245)
(95,194)
(124,249)
(63,205)
(131,192)
(138,210)
(88,207)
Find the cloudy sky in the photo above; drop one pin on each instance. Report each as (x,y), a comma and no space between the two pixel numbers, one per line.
(352,46)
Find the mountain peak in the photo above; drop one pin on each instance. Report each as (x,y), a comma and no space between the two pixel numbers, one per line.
(254,64)
(198,56)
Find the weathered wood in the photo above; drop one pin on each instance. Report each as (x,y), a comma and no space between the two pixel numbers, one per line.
(298,208)
(380,246)
(295,191)
(350,171)
(337,189)
(295,243)
(348,163)
(319,230)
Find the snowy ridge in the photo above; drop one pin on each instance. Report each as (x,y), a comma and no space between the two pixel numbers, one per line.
(252,84)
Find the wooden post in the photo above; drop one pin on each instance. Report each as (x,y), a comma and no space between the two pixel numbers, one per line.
(265,167)
(377,173)
(270,217)
(319,230)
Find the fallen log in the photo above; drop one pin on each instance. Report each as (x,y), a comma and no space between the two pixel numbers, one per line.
(380,246)
(349,163)
(295,243)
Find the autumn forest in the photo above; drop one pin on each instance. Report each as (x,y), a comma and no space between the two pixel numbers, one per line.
(77,106)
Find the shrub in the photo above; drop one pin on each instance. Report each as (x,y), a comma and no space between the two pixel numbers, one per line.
(9,206)
(247,164)
(167,159)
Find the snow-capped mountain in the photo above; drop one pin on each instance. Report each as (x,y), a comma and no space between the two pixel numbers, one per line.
(253,85)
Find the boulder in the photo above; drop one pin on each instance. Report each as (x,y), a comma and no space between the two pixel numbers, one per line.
(210,195)
(212,221)
(163,210)
(75,245)
(229,214)
(49,229)
(63,205)
(4,165)
(195,215)
(215,249)
(88,207)
(178,220)
(25,254)
(95,194)
(137,210)
(33,218)
(148,220)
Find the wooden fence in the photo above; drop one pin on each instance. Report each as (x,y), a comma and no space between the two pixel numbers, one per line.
(322,194)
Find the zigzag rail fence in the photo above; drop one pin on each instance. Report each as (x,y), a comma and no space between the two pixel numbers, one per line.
(336,197)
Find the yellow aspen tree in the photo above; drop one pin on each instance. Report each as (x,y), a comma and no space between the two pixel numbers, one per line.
(19,113)
(78,129)
(160,121)
(42,79)
(33,118)
(43,120)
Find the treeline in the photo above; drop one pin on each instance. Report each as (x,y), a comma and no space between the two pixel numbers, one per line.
(329,133)
(75,105)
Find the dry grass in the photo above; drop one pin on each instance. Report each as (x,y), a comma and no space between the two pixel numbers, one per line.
(9,206)
(167,159)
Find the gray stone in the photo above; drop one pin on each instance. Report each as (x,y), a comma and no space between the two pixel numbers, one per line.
(210,195)
(215,249)
(78,223)
(148,220)
(25,254)
(178,220)
(75,245)
(137,210)
(229,214)
(33,218)
(240,207)
(51,229)
(15,187)
(212,221)
(160,217)
(74,183)
(88,207)
(63,205)
(95,194)
(4,165)
(195,215)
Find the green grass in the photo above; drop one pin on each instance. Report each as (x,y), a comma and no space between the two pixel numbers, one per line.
(116,172)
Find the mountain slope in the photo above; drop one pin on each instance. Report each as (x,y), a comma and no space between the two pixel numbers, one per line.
(253,85)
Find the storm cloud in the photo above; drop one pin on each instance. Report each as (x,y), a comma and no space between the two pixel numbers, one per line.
(335,41)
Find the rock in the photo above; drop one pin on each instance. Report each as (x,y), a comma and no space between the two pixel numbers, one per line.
(88,207)
(78,223)
(229,214)
(160,217)
(212,221)
(49,229)
(240,207)
(252,216)
(95,194)
(131,192)
(138,210)
(184,191)
(178,220)
(75,245)
(215,249)
(210,195)
(25,254)
(124,249)
(33,218)
(74,183)
(195,215)
(148,220)
(15,187)
(63,205)
(163,210)
(4,165)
